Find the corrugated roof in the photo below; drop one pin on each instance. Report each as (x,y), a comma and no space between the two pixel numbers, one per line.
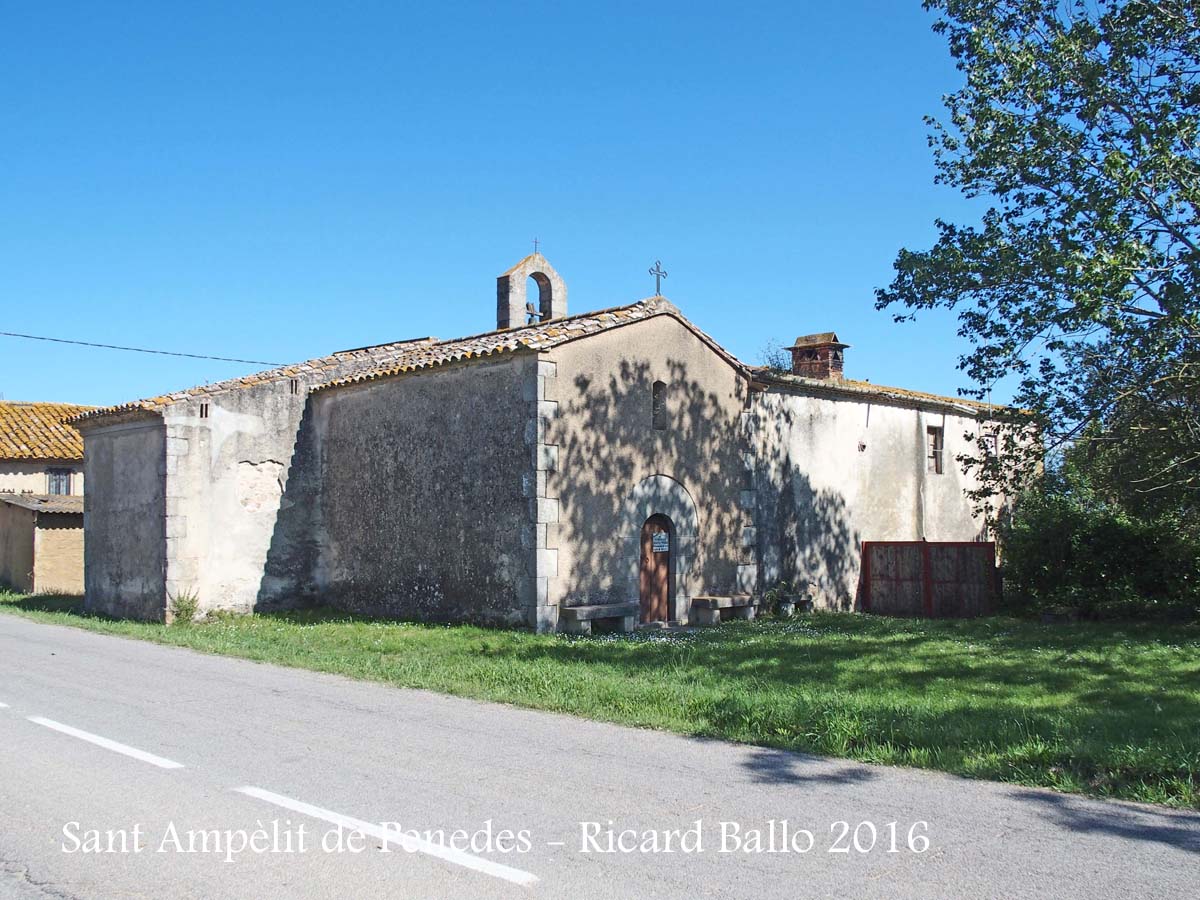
(46,503)
(39,431)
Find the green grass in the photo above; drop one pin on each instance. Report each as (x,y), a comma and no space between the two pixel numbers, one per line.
(1105,709)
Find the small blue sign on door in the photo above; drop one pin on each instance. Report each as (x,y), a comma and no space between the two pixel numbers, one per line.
(660,542)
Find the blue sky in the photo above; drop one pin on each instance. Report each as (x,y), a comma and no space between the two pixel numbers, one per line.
(278,181)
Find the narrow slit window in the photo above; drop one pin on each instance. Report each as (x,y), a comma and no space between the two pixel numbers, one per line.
(659,406)
(295,385)
(204,410)
(935,452)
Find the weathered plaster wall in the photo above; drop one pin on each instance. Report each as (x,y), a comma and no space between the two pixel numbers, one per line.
(237,501)
(422,513)
(608,455)
(818,495)
(58,553)
(23,477)
(124,513)
(16,548)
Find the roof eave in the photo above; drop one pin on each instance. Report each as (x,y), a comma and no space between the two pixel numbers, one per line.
(465,359)
(818,386)
(115,416)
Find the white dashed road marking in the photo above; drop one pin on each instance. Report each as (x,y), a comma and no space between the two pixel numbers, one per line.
(106,743)
(401,839)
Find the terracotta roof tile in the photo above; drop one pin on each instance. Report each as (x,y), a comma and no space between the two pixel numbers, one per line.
(540,336)
(39,431)
(383,360)
(365,363)
(851,386)
(917,395)
(342,362)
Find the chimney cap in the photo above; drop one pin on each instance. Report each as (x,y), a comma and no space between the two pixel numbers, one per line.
(821,339)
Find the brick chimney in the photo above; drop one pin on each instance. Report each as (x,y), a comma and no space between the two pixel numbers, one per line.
(818,356)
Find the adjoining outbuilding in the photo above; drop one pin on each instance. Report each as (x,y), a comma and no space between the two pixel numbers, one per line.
(560,471)
(41,507)
(40,451)
(41,543)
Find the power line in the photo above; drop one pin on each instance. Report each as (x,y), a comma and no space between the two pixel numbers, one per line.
(36,337)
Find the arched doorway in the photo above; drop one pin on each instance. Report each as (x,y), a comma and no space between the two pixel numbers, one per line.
(661,495)
(656,571)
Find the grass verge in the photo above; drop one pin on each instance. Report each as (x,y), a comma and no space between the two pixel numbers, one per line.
(1104,709)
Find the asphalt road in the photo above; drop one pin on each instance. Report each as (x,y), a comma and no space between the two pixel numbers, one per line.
(225,778)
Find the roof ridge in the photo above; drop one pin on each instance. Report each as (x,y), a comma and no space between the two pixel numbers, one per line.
(552,333)
(331,360)
(512,329)
(505,339)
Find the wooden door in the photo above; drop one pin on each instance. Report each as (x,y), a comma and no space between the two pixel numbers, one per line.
(655,578)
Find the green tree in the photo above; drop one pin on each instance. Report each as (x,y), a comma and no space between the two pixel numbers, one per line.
(1077,125)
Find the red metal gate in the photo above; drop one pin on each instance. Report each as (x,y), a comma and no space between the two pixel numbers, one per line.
(935,579)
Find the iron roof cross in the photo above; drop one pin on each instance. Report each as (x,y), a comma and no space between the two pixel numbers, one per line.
(535,245)
(659,275)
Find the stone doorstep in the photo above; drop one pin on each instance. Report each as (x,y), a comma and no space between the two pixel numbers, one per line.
(599,611)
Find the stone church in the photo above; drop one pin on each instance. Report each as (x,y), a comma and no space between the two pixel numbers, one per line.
(558,471)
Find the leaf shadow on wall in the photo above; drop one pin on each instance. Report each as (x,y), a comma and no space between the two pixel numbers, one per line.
(803,531)
(807,540)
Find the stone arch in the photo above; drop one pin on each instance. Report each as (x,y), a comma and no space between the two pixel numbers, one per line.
(663,495)
(511,294)
(545,299)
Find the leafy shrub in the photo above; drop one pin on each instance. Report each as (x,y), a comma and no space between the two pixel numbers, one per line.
(1063,547)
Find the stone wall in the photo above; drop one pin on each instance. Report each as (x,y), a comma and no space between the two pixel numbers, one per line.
(831,472)
(16,548)
(613,469)
(423,512)
(124,517)
(238,497)
(58,553)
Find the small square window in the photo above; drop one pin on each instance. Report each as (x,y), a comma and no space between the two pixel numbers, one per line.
(934,451)
(58,482)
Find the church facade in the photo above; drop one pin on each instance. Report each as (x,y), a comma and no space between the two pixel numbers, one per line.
(611,466)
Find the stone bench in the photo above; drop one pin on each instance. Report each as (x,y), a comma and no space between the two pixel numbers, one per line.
(579,619)
(710,610)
